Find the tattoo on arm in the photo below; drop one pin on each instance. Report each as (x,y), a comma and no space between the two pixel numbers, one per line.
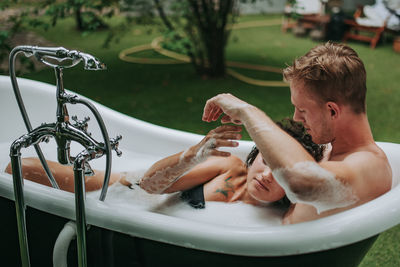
(228,187)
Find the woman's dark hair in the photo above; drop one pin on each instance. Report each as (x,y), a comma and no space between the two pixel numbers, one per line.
(298,132)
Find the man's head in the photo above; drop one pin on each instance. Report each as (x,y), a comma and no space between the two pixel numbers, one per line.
(260,182)
(327,79)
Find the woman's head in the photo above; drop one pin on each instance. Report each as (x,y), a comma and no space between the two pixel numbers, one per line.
(260,183)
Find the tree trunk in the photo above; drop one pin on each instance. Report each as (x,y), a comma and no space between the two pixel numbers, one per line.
(211,23)
(206,22)
(215,53)
(78,18)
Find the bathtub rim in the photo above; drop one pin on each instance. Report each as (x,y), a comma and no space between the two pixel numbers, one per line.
(344,228)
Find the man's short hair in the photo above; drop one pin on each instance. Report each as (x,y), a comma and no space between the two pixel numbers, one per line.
(333,72)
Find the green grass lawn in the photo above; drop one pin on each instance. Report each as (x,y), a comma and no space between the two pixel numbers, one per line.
(174,96)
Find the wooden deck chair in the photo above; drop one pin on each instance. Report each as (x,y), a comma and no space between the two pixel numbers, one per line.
(370,34)
(305,9)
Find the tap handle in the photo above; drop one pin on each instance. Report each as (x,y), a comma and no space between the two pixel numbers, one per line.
(81,124)
(88,170)
(114,142)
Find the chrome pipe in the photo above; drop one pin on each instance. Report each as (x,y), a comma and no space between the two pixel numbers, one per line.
(79,176)
(107,145)
(22,109)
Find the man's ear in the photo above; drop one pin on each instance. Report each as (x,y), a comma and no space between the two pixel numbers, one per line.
(334,109)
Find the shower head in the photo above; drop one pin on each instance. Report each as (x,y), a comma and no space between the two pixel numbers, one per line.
(61,57)
(91,63)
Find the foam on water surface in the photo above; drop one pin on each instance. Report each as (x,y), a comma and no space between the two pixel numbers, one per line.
(232,214)
(124,198)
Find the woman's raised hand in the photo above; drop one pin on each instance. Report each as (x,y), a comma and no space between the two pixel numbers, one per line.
(222,136)
(224,103)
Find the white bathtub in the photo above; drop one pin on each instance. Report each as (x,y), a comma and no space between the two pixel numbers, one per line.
(197,238)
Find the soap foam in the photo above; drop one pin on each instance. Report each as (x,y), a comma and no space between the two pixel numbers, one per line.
(218,213)
(122,198)
(316,186)
(162,179)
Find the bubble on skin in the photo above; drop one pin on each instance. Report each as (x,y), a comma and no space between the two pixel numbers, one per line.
(259,128)
(53,171)
(330,193)
(162,179)
(232,105)
(132,176)
(37,173)
(205,151)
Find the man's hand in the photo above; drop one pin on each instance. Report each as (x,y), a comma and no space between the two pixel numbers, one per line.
(224,103)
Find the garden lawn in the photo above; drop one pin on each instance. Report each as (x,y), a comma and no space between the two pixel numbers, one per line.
(174,95)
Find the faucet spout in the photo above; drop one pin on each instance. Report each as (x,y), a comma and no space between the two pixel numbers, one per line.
(91,63)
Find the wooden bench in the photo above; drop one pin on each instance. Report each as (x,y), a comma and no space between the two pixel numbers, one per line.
(363,33)
(355,32)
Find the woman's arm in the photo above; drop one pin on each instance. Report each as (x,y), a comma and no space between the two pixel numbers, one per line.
(165,175)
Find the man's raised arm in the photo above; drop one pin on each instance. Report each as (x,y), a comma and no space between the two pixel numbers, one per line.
(303,179)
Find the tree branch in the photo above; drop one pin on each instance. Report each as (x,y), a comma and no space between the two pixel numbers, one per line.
(163,17)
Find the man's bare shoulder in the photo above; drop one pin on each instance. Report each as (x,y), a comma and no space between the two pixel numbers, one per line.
(367,158)
(369,171)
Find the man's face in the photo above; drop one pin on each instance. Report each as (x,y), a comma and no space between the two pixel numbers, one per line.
(314,115)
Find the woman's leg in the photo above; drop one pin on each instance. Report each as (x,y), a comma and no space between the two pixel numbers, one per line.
(64,175)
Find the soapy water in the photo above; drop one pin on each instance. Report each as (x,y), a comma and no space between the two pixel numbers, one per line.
(230,214)
(325,191)
(126,200)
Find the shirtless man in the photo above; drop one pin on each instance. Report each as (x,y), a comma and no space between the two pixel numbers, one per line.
(328,89)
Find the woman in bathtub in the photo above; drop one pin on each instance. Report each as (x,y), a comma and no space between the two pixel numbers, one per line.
(202,172)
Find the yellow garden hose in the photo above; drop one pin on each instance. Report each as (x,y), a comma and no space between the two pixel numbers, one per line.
(176,58)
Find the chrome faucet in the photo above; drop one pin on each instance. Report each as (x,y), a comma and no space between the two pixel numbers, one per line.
(60,54)
(63,131)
